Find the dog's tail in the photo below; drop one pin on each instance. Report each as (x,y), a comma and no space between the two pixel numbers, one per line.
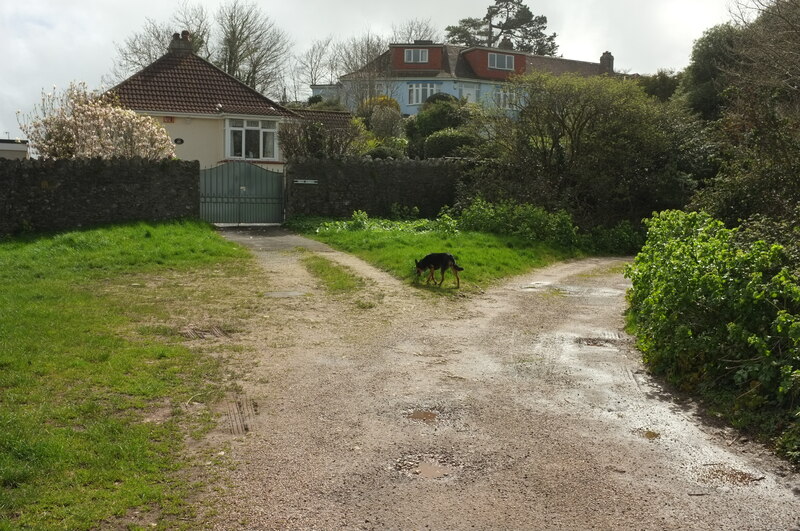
(458,267)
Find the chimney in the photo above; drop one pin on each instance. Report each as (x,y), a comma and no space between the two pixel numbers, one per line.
(181,43)
(606,63)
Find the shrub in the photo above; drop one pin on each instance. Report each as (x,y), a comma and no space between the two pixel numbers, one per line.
(308,139)
(447,143)
(624,238)
(385,152)
(81,124)
(530,222)
(720,316)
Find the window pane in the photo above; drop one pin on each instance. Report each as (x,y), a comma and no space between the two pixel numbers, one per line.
(236,143)
(423,56)
(269,145)
(409,56)
(251,144)
(252,123)
(237,123)
(492,60)
(269,124)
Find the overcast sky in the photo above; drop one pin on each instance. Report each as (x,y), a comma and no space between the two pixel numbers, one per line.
(52,42)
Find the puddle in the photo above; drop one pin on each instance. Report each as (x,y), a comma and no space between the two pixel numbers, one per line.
(572,291)
(716,473)
(428,417)
(439,466)
(650,435)
(429,470)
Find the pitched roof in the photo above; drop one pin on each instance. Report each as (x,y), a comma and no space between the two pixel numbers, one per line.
(330,119)
(455,65)
(182,82)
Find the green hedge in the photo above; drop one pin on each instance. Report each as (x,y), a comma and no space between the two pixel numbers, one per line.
(722,318)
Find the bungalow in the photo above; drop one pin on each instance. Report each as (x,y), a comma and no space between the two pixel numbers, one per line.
(211,116)
(410,73)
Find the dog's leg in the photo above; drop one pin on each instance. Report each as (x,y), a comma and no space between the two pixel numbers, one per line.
(444,269)
(430,275)
(458,280)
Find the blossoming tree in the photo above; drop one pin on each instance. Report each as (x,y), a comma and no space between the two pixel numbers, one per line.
(78,123)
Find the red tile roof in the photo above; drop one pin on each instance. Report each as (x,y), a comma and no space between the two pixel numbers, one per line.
(330,119)
(185,83)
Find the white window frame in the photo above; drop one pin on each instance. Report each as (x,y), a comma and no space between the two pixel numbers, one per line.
(419,92)
(505,97)
(416,55)
(265,131)
(501,61)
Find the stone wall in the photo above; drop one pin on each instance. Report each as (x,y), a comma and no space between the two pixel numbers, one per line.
(336,188)
(41,196)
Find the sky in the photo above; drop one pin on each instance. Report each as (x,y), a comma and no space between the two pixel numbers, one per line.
(47,43)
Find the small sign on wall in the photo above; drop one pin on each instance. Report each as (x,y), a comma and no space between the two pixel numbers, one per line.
(168,119)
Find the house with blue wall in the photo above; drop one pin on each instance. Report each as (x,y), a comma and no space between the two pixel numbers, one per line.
(410,73)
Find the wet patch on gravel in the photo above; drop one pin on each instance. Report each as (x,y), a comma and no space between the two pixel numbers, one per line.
(572,290)
(432,466)
(426,416)
(647,433)
(726,475)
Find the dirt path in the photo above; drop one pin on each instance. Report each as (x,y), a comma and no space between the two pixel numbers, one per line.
(522,408)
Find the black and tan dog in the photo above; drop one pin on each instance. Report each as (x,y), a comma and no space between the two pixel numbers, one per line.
(442,261)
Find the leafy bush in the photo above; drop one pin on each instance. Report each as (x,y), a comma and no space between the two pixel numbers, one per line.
(446,143)
(385,152)
(623,238)
(721,316)
(360,220)
(403,212)
(530,222)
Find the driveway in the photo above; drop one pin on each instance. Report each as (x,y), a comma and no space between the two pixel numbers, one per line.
(524,407)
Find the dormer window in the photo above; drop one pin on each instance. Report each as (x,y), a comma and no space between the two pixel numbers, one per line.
(416,55)
(501,61)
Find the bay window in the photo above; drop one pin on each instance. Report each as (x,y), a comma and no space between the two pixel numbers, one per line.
(419,92)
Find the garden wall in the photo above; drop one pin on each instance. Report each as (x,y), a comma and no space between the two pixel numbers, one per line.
(336,188)
(40,196)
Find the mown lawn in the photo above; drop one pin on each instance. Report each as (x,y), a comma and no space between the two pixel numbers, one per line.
(76,387)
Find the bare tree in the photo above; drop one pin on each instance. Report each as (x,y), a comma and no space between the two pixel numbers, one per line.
(147,45)
(317,63)
(365,63)
(241,40)
(416,29)
(250,47)
(769,45)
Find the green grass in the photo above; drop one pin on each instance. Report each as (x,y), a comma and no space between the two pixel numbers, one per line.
(76,384)
(337,279)
(485,258)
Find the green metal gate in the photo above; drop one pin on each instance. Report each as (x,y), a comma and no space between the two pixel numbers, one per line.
(240,192)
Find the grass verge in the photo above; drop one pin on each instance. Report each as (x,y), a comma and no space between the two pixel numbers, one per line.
(486,258)
(335,278)
(89,411)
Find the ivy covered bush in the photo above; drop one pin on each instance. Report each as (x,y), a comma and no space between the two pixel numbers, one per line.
(721,316)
